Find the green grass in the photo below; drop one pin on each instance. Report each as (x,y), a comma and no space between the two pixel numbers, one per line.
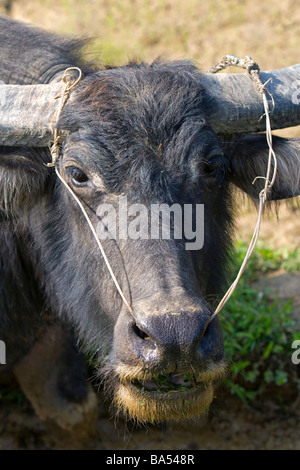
(11,394)
(258,332)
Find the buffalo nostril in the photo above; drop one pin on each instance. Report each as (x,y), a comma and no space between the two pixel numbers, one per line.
(141,334)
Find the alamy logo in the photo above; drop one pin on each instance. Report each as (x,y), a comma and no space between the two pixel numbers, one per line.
(2,353)
(139,222)
(296,93)
(296,354)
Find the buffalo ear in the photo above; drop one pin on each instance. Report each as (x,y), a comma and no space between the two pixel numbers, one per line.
(248,157)
(22,179)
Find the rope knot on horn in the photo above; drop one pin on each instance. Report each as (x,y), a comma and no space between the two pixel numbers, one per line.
(69,82)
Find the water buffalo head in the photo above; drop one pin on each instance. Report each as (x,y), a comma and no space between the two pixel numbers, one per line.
(137,138)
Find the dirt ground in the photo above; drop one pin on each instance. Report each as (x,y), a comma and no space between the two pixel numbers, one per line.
(228,425)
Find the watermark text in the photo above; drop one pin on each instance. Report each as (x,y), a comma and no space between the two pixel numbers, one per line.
(2,352)
(296,353)
(296,93)
(158,221)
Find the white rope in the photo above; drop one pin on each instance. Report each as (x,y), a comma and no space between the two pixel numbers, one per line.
(96,238)
(70,82)
(253,70)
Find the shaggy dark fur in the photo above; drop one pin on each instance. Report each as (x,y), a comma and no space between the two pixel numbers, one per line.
(138,130)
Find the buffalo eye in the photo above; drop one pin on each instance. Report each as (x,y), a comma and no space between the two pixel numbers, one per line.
(211,166)
(214,166)
(79,178)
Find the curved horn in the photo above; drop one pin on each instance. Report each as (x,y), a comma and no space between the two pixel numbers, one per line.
(28,114)
(235,104)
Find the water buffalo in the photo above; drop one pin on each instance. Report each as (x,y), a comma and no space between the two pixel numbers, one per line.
(159,133)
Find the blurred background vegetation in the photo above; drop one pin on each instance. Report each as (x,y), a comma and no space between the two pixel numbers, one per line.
(201,30)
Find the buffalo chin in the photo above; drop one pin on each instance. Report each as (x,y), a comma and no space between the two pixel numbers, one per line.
(155,407)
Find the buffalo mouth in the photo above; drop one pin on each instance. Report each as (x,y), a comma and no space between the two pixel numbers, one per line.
(170,383)
(161,398)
